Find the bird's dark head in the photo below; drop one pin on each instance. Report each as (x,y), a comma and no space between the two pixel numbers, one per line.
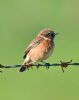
(48,33)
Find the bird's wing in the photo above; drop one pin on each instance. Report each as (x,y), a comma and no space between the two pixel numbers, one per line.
(33,44)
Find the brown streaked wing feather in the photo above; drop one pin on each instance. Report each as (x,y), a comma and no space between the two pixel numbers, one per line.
(33,44)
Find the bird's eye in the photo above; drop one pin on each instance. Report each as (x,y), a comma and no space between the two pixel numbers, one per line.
(41,34)
(53,35)
(46,35)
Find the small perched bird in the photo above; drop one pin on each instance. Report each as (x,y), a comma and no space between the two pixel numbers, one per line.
(39,49)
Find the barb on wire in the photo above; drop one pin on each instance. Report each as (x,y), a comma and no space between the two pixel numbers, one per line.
(47,65)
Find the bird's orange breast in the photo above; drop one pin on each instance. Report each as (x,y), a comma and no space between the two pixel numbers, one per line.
(42,51)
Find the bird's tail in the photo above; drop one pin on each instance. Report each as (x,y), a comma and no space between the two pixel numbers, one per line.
(23,68)
(25,65)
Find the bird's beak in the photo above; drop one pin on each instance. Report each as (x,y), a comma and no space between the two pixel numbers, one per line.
(56,33)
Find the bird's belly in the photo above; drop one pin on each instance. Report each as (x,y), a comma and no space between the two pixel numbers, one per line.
(40,52)
(48,54)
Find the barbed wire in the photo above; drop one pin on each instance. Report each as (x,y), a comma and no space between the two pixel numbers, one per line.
(62,64)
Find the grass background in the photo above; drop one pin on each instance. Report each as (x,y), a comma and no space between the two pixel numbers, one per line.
(20,21)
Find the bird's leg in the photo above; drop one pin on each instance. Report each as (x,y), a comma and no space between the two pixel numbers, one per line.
(46,64)
(29,65)
(38,65)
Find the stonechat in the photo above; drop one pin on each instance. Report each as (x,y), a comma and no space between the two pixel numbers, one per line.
(39,49)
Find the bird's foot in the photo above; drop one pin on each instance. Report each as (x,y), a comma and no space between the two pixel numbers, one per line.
(29,65)
(47,65)
(38,65)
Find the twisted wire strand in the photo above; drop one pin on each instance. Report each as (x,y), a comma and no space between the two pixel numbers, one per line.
(62,64)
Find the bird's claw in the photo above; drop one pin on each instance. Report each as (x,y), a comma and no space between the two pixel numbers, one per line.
(38,65)
(29,65)
(47,65)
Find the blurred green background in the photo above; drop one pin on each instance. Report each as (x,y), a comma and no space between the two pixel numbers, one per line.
(20,21)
